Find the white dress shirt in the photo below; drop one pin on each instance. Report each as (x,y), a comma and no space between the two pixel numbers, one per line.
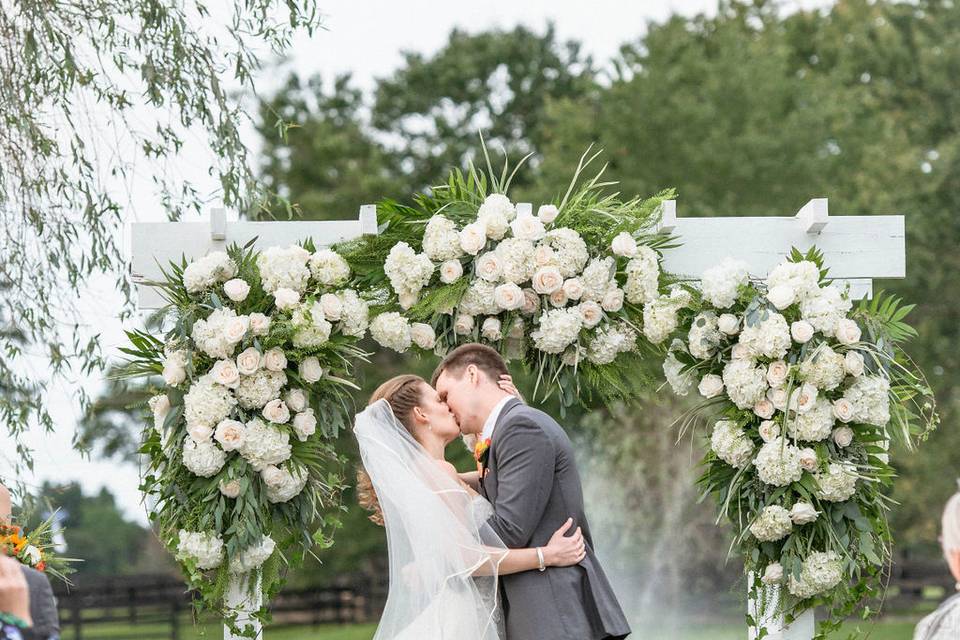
(491,422)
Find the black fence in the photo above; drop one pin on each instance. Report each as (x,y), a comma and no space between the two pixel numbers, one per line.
(160,606)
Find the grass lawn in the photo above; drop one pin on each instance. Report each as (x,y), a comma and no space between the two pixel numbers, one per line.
(882,630)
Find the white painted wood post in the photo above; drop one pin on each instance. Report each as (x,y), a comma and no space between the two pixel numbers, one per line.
(240,599)
(766,617)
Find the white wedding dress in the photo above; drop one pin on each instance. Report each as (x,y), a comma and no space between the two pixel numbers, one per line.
(443,556)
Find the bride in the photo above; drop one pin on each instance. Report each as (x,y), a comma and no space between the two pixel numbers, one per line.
(444,559)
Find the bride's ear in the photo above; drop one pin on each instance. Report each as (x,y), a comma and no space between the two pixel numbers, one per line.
(419,416)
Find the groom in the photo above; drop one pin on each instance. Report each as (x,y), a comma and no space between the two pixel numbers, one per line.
(529,475)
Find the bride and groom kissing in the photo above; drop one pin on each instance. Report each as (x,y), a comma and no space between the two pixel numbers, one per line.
(501,553)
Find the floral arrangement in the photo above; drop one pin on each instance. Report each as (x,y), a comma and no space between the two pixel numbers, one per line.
(35,549)
(807,391)
(256,363)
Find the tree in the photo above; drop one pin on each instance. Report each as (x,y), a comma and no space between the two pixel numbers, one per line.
(81,81)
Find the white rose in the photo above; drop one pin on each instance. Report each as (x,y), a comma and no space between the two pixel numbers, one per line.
(843,410)
(332,306)
(407,299)
(528,227)
(489,267)
(573,287)
(230,488)
(225,372)
(769,430)
(781,296)
(764,409)
(305,425)
(612,300)
(558,298)
(803,399)
(463,325)
(547,280)
(779,398)
(236,289)
(272,475)
(729,324)
(173,373)
(808,459)
(473,238)
(259,324)
(236,328)
(544,255)
(450,271)
(230,434)
(248,362)
(591,312)
(801,331)
(740,352)
(847,331)
(276,411)
(310,369)
(296,399)
(531,302)
(843,436)
(508,296)
(286,298)
(777,372)
(803,513)
(624,245)
(773,574)
(423,335)
(853,363)
(711,385)
(200,433)
(547,213)
(491,329)
(275,360)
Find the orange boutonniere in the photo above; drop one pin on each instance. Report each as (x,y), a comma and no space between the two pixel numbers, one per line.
(480,452)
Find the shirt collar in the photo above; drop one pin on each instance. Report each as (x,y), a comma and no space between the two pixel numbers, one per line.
(491,422)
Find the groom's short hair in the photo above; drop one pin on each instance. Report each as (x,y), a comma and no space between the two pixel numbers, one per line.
(483,357)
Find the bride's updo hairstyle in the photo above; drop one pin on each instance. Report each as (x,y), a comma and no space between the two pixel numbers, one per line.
(402,393)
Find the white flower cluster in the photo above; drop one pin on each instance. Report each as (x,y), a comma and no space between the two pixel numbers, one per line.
(557,330)
(869,397)
(610,341)
(329,268)
(265,444)
(441,240)
(253,557)
(259,388)
(825,308)
(838,483)
(778,463)
(203,548)
(704,336)
(284,268)
(408,271)
(820,572)
(731,444)
(283,484)
(643,276)
(218,334)
(824,368)
(207,403)
(208,271)
(745,382)
(391,330)
(660,314)
(815,423)
(680,381)
(773,523)
(769,338)
(721,283)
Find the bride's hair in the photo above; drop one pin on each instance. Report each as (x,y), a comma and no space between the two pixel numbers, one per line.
(402,393)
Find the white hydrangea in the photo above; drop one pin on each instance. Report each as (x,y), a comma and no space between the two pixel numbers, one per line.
(497,204)
(610,341)
(745,382)
(773,523)
(253,557)
(391,330)
(210,333)
(680,381)
(704,336)
(518,261)
(312,329)
(408,271)
(597,278)
(258,389)
(870,397)
(284,268)
(210,270)
(643,276)
(820,572)
(719,283)
(329,268)
(569,249)
(528,227)
(769,338)
(203,459)
(778,463)
(815,424)
(441,240)
(204,548)
(355,316)
(558,329)
(660,315)
(479,299)
(825,308)
(282,484)
(207,403)
(265,444)
(160,408)
(802,278)
(838,483)
(731,444)
(824,368)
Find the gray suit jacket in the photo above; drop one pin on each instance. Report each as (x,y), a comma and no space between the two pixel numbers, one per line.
(531,480)
(43,607)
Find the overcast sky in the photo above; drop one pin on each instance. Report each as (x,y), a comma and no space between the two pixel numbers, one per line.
(365,38)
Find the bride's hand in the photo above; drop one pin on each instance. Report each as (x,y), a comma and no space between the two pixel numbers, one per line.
(506,383)
(563,550)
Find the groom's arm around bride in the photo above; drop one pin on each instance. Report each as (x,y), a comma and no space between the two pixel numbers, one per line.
(530,477)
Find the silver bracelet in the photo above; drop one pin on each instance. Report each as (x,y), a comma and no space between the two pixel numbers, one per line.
(543,567)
